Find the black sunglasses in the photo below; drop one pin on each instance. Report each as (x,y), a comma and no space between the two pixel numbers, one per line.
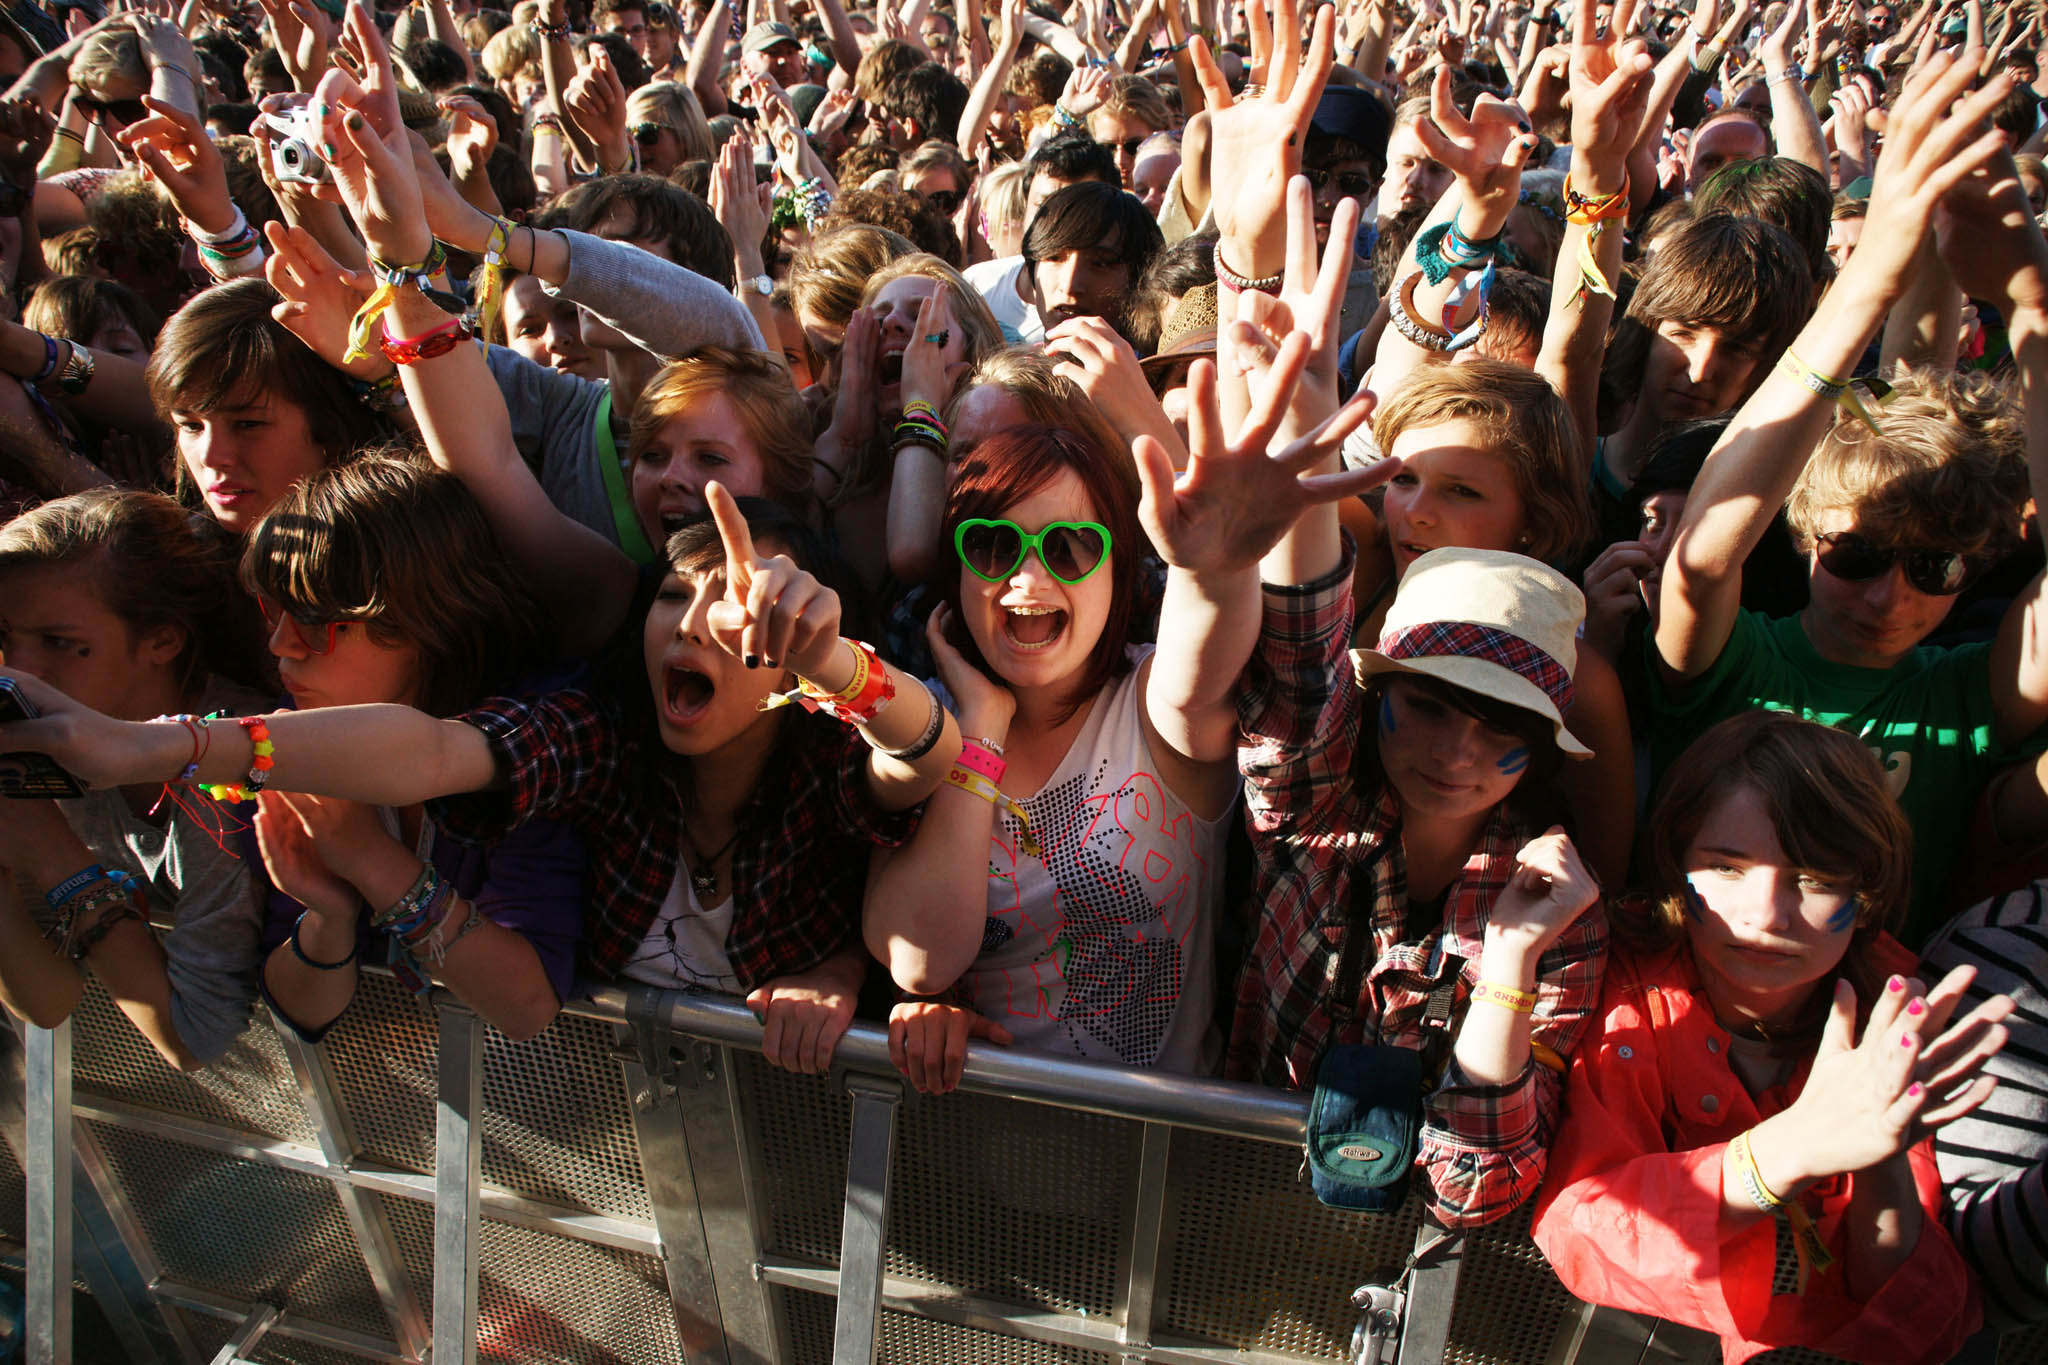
(128,111)
(945,201)
(1129,146)
(647,134)
(1938,573)
(1350,184)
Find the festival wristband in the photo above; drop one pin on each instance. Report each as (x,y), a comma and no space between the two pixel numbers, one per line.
(1507,997)
(975,757)
(974,784)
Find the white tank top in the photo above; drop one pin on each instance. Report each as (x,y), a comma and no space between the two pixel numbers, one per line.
(1103,946)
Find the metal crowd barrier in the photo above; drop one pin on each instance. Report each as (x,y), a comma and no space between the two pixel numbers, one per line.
(638,1185)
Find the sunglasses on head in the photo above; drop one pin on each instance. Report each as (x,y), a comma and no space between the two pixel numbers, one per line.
(1350,184)
(314,639)
(647,134)
(127,111)
(1938,573)
(1070,550)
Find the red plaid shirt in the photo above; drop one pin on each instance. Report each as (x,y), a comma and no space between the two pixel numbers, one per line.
(799,867)
(1483,1146)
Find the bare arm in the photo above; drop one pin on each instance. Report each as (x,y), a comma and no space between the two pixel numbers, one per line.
(442,20)
(988,86)
(845,42)
(1794,124)
(707,58)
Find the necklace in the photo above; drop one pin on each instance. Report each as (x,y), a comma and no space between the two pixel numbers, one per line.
(703,870)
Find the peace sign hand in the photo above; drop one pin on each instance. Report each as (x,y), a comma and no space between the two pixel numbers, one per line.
(773,613)
(1486,150)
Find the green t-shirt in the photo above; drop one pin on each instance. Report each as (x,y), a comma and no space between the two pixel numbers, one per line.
(1928,720)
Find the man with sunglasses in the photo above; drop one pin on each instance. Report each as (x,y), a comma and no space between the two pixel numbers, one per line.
(1898,504)
(1345,157)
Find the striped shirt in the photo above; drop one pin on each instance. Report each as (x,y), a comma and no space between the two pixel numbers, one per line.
(1992,1160)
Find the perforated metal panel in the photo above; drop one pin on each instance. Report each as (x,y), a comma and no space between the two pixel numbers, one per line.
(382,1054)
(210,1333)
(799,1124)
(1011,1201)
(556,1126)
(1257,1261)
(250,1233)
(908,1340)
(1510,1306)
(250,1088)
(543,1298)
(13,1197)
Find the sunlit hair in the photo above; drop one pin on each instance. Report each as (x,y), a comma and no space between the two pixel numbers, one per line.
(1742,276)
(1008,468)
(1827,802)
(759,386)
(76,306)
(1949,469)
(1135,97)
(402,547)
(112,54)
(674,106)
(224,350)
(1523,421)
(511,51)
(978,325)
(828,276)
(153,563)
(1048,397)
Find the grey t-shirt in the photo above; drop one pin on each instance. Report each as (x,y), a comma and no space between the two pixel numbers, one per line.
(196,872)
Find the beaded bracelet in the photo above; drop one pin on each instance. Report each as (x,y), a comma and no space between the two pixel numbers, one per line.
(1067,118)
(553,33)
(1231,282)
(408,905)
(262,758)
(1404,322)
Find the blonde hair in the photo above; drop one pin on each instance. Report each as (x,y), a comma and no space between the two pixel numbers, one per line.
(759,385)
(1948,470)
(109,55)
(1135,97)
(510,51)
(1526,423)
(674,106)
(828,276)
(971,314)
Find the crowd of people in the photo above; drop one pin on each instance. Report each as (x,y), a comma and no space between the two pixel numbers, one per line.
(1477,557)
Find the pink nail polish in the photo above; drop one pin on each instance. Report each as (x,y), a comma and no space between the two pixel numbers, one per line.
(1917,1007)
(1914,1090)
(1897,983)
(1906,1041)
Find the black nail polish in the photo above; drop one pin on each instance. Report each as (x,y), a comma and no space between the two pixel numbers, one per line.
(753,661)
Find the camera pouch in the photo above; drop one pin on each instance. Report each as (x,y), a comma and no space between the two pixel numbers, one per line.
(1364,1122)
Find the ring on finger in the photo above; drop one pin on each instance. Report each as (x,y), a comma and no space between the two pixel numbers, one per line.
(940,337)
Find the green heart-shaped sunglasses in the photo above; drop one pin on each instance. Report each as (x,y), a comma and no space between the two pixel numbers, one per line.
(1070,550)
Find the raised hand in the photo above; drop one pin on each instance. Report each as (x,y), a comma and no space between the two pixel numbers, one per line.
(1085,92)
(301,32)
(290,849)
(174,151)
(1548,891)
(318,297)
(1610,92)
(1614,594)
(937,354)
(1991,242)
(1091,353)
(853,411)
(472,134)
(595,101)
(1485,150)
(1310,301)
(773,613)
(25,131)
(1260,140)
(736,201)
(928,1042)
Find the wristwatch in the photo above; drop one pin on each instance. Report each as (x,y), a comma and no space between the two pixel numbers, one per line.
(77,371)
(764,285)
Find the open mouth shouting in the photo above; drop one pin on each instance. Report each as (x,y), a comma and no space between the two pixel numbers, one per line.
(686,694)
(1033,628)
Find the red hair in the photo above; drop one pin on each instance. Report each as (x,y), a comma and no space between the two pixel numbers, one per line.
(1008,468)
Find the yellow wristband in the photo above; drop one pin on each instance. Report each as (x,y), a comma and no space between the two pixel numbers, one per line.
(1507,997)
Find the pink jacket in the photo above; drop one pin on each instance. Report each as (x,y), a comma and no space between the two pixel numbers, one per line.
(1629,1213)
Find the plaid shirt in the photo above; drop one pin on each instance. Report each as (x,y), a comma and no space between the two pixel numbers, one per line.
(799,866)
(1483,1146)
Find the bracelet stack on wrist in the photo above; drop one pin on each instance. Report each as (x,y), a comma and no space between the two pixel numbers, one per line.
(551,33)
(920,426)
(88,904)
(390,279)
(977,772)
(1230,282)
(1594,213)
(231,254)
(262,758)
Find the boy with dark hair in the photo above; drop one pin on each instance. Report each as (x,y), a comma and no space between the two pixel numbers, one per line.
(1782,192)
(924,103)
(1084,253)
(1059,162)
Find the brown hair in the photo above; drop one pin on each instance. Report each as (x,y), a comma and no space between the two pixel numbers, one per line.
(1743,276)
(1138,98)
(402,547)
(970,311)
(828,276)
(1526,424)
(1049,398)
(76,306)
(776,419)
(1008,468)
(1827,802)
(154,563)
(1949,469)
(223,348)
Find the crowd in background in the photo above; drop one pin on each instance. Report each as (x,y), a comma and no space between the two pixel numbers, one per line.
(1477,557)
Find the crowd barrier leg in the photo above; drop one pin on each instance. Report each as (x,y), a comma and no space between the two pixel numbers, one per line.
(1148,1249)
(864,1233)
(366,1217)
(254,1328)
(458,1158)
(47,1162)
(1432,1294)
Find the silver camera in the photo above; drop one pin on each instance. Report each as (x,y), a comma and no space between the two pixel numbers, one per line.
(296,154)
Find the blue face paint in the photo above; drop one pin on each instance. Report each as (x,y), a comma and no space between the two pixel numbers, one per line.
(1513,761)
(1387,722)
(1846,916)
(1695,904)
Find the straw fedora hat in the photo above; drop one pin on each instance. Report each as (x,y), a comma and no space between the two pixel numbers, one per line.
(1502,625)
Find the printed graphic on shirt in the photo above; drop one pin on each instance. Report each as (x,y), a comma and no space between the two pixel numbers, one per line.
(1087,947)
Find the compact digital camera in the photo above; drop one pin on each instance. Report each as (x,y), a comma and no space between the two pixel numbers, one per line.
(297,153)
